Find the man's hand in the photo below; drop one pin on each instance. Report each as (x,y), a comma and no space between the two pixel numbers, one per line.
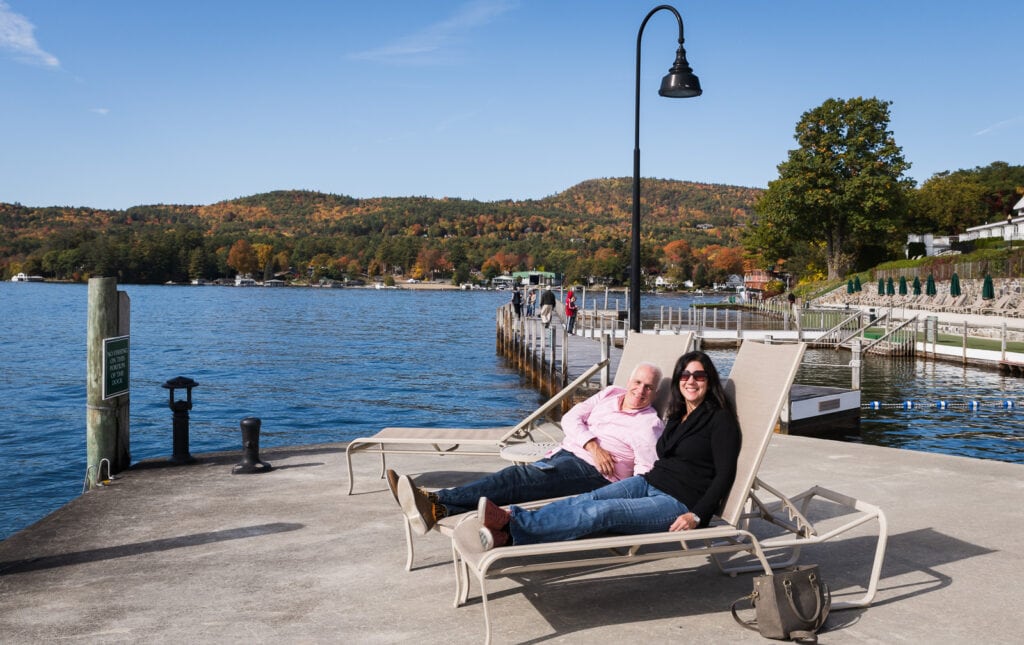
(684,522)
(603,460)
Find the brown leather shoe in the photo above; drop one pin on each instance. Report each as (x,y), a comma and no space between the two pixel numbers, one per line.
(421,512)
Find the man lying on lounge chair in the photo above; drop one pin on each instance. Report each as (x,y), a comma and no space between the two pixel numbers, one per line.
(609,437)
(694,472)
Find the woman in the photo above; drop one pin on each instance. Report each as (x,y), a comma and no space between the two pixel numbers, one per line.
(696,464)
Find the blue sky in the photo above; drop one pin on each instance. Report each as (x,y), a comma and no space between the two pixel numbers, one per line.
(117,103)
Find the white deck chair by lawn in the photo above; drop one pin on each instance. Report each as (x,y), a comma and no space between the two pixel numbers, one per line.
(662,350)
(758,385)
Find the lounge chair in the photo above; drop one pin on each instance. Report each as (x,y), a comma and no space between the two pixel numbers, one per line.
(758,385)
(660,349)
(474,442)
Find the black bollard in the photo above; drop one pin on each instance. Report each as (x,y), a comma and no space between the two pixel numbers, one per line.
(179,423)
(251,446)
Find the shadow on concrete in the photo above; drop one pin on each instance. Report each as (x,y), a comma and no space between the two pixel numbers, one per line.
(228,458)
(575,600)
(138,548)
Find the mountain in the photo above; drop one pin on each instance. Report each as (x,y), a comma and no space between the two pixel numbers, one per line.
(583,219)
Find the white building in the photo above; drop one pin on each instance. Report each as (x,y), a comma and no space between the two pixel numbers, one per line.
(1012,228)
(1009,229)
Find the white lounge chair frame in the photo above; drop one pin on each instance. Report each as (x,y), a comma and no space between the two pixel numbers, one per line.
(470,442)
(662,350)
(759,385)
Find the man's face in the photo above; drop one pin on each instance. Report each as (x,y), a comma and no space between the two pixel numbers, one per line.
(640,390)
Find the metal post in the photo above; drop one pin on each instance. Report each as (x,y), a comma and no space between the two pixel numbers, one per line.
(251,462)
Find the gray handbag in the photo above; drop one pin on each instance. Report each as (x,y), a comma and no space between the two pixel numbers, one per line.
(790,605)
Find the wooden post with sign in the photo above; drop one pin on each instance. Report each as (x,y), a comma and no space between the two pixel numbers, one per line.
(107,381)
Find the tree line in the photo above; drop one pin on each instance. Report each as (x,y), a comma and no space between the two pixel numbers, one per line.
(582,233)
(842,202)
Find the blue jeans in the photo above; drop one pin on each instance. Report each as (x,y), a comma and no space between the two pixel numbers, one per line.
(563,473)
(628,506)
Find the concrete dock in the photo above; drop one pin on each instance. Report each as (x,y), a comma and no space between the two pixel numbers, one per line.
(195,554)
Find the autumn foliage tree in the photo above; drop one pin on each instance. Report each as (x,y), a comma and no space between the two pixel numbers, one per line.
(242,258)
(264,259)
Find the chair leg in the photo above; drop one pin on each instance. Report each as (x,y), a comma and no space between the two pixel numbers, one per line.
(408,545)
(348,460)
(876,568)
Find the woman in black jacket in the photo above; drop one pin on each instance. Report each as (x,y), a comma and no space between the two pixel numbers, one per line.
(695,468)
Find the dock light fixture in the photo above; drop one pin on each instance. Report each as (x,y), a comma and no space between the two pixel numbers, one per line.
(679,83)
(179,422)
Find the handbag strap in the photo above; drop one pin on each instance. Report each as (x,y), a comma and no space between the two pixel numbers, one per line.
(788,586)
(749,624)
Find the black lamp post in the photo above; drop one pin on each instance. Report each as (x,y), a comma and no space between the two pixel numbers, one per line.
(679,83)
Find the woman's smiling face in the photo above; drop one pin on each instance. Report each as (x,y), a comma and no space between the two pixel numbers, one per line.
(693,384)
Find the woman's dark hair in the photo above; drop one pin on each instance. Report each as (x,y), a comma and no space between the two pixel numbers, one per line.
(716,393)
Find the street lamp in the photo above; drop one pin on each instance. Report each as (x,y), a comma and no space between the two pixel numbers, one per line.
(679,83)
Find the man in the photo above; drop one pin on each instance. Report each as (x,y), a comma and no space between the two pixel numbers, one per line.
(547,307)
(611,436)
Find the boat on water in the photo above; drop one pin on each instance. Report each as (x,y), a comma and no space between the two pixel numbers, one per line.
(21,277)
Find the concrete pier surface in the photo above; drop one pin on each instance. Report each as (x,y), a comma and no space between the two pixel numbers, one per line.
(194,554)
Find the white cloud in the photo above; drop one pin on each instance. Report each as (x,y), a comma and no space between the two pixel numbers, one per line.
(16,36)
(102,111)
(428,44)
(999,126)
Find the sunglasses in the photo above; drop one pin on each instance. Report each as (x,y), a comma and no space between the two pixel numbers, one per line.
(700,376)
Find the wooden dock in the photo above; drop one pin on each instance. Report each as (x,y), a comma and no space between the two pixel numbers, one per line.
(550,358)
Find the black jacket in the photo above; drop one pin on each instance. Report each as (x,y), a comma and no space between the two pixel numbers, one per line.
(697,459)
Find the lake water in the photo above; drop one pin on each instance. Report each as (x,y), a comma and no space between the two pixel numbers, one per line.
(327,365)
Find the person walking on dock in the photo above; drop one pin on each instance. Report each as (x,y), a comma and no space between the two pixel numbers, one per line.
(609,437)
(570,311)
(517,301)
(547,306)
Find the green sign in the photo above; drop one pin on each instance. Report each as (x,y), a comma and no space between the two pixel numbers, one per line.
(115,366)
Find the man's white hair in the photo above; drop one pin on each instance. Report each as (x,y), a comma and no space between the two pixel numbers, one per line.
(646,365)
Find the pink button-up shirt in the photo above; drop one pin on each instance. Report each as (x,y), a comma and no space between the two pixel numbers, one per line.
(631,436)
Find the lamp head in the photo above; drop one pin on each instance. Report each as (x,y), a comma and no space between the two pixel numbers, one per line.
(680,82)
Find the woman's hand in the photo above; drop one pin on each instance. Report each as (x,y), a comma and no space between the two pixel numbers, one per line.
(684,522)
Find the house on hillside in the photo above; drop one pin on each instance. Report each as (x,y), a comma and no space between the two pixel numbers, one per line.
(1012,228)
(661,282)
